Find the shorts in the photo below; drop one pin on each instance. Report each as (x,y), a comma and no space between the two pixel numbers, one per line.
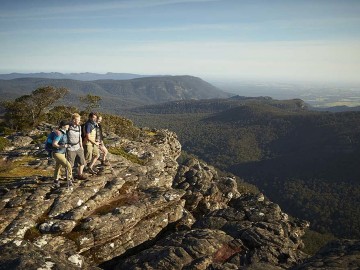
(77,156)
(91,150)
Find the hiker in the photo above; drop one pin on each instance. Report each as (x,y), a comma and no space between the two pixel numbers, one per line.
(91,146)
(102,146)
(75,150)
(59,145)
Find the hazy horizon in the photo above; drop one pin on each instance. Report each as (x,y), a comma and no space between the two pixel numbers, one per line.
(235,40)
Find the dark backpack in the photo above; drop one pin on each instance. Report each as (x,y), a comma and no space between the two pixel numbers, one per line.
(83,130)
(83,134)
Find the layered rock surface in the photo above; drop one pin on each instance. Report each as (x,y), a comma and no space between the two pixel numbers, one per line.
(141,213)
(97,219)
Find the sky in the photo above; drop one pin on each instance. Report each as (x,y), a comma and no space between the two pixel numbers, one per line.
(284,40)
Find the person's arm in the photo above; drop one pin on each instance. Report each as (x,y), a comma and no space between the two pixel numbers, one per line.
(101,135)
(80,140)
(56,141)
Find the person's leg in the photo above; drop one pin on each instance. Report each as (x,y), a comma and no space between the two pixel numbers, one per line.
(57,167)
(71,157)
(88,149)
(104,151)
(60,159)
(81,169)
(95,155)
(81,164)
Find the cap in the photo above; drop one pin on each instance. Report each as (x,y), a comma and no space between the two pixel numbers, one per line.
(63,123)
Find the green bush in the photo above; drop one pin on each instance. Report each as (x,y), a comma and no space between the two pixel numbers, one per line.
(4,143)
(314,241)
(40,139)
(120,126)
(58,113)
(121,152)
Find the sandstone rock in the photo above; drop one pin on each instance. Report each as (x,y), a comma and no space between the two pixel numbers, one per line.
(21,254)
(140,213)
(194,247)
(100,218)
(21,141)
(228,238)
(205,191)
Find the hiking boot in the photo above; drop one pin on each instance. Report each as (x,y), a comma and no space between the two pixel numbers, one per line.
(93,171)
(100,172)
(56,183)
(105,163)
(81,177)
(100,169)
(70,183)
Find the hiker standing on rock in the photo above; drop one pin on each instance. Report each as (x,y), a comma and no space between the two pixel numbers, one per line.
(91,145)
(59,145)
(102,146)
(75,150)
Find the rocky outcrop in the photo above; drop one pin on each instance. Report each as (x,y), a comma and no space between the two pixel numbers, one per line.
(130,203)
(144,211)
(205,190)
(25,255)
(252,232)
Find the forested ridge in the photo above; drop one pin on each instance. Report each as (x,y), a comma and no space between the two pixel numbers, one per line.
(118,95)
(306,161)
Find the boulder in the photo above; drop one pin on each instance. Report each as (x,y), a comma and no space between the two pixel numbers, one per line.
(21,141)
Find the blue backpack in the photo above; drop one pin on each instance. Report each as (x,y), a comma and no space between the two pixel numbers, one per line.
(49,141)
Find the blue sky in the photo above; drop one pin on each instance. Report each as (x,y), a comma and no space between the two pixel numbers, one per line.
(317,40)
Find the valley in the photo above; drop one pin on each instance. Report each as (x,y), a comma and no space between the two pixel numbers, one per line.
(306,161)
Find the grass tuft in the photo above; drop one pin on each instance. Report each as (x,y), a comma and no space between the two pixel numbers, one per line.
(31,234)
(20,168)
(4,143)
(121,152)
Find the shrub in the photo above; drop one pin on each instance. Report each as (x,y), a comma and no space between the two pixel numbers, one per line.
(58,113)
(4,143)
(121,152)
(313,241)
(32,233)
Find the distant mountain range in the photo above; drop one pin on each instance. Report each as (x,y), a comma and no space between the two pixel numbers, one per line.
(118,95)
(338,109)
(85,76)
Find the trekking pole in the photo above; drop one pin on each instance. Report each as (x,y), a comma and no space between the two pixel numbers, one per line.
(66,168)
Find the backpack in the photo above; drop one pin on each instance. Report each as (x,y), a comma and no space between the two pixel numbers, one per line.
(83,130)
(48,143)
(79,129)
(83,134)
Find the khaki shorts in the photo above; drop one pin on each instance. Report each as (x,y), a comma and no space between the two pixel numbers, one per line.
(91,151)
(77,156)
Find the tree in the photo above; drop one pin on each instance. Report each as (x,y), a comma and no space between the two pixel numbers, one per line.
(58,113)
(91,102)
(28,110)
